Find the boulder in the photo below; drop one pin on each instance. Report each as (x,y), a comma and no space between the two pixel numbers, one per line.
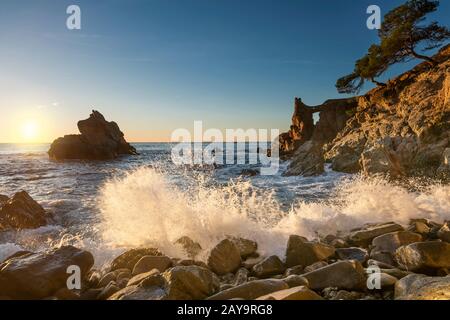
(246,247)
(137,279)
(421,287)
(22,212)
(364,237)
(304,253)
(384,246)
(348,275)
(190,283)
(295,293)
(251,290)
(99,140)
(40,275)
(129,258)
(189,246)
(422,256)
(147,263)
(353,253)
(224,258)
(268,267)
(178,283)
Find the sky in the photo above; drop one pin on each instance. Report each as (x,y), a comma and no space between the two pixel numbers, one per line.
(157,65)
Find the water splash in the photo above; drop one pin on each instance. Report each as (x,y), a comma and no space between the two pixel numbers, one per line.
(145,208)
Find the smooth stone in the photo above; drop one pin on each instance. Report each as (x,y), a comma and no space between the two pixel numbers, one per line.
(295,293)
(421,287)
(251,290)
(424,255)
(147,263)
(268,267)
(224,258)
(301,252)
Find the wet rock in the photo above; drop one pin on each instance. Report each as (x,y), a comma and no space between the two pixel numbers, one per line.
(137,279)
(365,236)
(178,283)
(40,275)
(421,287)
(190,283)
(246,247)
(384,246)
(295,293)
(304,253)
(129,258)
(295,281)
(421,256)
(348,275)
(191,247)
(358,254)
(22,212)
(224,258)
(99,140)
(268,267)
(147,263)
(251,290)
(315,266)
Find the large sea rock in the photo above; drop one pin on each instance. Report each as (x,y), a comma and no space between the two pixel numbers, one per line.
(22,212)
(99,140)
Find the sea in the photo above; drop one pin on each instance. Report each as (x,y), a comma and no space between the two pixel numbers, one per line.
(107,207)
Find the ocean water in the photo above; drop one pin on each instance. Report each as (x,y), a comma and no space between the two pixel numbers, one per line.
(146,200)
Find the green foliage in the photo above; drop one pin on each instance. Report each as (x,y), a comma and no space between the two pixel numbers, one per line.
(400,34)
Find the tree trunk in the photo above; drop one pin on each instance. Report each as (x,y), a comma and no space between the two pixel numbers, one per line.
(380,84)
(430,60)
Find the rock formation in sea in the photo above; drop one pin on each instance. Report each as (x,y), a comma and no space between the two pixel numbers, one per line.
(402,129)
(99,140)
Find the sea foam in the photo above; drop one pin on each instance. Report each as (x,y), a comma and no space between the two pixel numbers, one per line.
(144,208)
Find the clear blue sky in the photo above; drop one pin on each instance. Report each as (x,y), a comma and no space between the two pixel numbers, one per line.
(157,65)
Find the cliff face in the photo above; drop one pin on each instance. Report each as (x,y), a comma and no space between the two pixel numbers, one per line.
(402,129)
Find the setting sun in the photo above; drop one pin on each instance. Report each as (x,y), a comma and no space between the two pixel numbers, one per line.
(29,130)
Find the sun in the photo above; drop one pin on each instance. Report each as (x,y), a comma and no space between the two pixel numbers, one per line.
(29,130)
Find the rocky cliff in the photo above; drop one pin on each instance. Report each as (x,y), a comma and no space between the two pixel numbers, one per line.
(99,140)
(402,129)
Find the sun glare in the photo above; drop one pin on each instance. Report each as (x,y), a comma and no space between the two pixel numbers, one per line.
(29,130)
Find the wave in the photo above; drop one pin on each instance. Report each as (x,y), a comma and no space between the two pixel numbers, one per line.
(145,208)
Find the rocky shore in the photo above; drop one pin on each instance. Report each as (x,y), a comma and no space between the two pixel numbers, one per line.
(382,261)
(402,129)
(99,140)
